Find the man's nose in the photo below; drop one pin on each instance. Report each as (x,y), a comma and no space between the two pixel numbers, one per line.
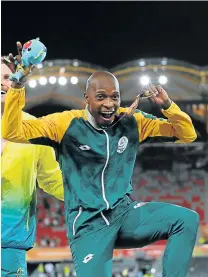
(108,103)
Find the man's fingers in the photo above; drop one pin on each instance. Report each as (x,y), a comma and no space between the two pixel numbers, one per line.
(160,89)
(10,63)
(19,48)
(162,93)
(11,58)
(153,99)
(18,58)
(153,89)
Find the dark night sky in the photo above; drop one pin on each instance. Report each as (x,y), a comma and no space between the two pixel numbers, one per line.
(110,33)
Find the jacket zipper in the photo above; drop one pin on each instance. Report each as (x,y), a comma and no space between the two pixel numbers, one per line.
(74,222)
(102,176)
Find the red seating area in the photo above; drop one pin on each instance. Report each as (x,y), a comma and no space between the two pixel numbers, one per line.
(51,223)
(187,189)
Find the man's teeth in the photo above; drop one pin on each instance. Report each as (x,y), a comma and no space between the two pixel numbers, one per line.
(107,114)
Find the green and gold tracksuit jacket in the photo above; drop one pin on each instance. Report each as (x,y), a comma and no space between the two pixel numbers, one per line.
(96,164)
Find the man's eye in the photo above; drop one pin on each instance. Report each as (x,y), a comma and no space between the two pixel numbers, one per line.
(6,77)
(116,97)
(100,96)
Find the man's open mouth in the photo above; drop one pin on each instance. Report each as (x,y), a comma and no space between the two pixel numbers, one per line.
(107,114)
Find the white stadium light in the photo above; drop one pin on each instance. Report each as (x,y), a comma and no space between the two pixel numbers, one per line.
(43,81)
(164,61)
(52,80)
(74,80)
(50,63)
(32,83)
(144,80)
(62,81)
(163,80)
(153,270)
(75,63)
(40,65)
(142,63)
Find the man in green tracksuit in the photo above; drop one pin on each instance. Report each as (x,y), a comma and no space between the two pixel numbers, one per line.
(97,152)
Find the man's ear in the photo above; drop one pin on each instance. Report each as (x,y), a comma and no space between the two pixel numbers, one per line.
(86,96)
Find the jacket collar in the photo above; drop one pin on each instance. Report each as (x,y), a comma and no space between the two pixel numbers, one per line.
(91,119)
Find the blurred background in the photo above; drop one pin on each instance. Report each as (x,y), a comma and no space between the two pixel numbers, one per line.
(141,43)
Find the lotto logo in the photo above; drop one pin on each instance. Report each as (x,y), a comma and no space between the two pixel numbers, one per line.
(84,147)
(88,258)
(20,272)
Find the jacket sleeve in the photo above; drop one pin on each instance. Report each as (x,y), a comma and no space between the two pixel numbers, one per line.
(45,130)
(178,124)
(49,175)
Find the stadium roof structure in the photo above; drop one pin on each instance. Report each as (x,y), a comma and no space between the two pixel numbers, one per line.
(64,80)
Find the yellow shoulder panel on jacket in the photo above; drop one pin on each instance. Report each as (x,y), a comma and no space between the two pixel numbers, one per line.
(15,128)
(52,126)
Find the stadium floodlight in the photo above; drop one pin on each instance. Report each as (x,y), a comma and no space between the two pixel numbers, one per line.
(162,80)
(142,63)
(62,81)
(144,80)
(75,63)
(32,83)
(43,81)
(164,61)
(52,80)
(153,270)
(39,66)
(74,80)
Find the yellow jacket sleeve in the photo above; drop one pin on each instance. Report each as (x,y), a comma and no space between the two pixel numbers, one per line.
(177,125)
(49,175)
(50,128)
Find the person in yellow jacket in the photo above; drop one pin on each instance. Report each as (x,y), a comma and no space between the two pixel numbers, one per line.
(21,166)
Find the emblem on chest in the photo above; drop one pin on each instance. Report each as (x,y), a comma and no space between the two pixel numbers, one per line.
(122,144)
